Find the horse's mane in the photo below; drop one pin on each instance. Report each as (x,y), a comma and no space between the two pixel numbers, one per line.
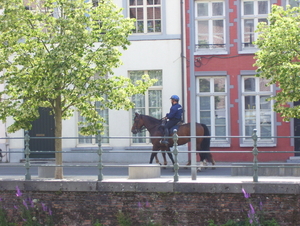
(152,119)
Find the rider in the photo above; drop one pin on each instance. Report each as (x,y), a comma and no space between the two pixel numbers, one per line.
(174,116)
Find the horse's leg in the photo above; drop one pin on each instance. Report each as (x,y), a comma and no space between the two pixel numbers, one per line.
(199,169)
(164,156)
(152,157)
(188,164)
(211,159)
(157,160)
(170,155)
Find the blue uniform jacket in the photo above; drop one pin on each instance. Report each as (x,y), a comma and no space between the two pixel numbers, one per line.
(175,112)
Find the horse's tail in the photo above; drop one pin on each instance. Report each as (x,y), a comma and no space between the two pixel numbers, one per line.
(205,144)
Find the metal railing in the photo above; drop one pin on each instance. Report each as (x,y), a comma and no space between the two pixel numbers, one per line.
(255,165)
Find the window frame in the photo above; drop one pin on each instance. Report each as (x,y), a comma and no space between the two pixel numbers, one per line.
(147,108)
(215,142)
(286,2)
(261,142)
(210,19)
(145,19)
(255,17)
(93,138)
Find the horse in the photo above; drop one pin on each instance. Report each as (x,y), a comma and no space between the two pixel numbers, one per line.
(153,125)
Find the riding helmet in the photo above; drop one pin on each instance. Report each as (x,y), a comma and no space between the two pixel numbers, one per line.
(175,97)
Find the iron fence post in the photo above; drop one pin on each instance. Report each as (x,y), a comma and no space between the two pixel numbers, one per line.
(255,153)
(100,166)
(175,152)
(27,153)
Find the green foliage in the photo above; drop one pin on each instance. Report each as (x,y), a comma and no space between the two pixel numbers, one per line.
(244,223)
(3,218)
(97,223)
(123,220)
(278,57)
(31,212)
(61,55)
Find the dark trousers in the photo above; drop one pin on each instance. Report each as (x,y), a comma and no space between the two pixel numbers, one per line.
(169,125)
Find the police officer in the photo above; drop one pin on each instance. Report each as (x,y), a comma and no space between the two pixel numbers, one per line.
(174,116)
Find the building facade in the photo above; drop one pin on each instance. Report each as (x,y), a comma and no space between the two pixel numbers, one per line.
(156,49)
(201,50)
(228,97)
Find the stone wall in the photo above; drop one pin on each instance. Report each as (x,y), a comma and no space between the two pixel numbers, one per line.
(82,203)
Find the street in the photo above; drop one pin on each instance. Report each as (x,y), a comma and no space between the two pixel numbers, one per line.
(81,169)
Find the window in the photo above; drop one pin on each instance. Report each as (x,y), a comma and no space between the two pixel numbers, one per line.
(252,12)
(92,139)
(149,103)
(210,25)
(147,14)
(293,3)
(257,110)
(212,110)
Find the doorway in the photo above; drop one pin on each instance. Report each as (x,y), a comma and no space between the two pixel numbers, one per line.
(44,126)
(297,133)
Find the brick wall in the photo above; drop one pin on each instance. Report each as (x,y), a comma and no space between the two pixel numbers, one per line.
(167,208)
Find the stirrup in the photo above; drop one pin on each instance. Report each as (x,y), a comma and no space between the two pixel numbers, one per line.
(164,142)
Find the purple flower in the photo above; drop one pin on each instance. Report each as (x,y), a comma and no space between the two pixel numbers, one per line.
(19,193)
(260,205)
(16,207)
(25,204)
(147,204)
(44,207)
(31,202)
(246,195)
(252,211)
(50,212)
(139,205)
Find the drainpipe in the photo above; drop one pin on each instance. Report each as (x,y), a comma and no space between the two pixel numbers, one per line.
(7,155)
(183,84)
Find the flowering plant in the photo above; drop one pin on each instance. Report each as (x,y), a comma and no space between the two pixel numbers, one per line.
(254,218)
(26,212)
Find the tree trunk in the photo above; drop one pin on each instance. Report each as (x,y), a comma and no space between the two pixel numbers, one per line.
(58,141)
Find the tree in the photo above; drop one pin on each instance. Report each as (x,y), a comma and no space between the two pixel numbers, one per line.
(60,54)
(278,57)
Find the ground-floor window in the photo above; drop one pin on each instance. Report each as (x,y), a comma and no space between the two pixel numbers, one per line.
(213,107)
(92,139)
(149,103)
(257,111)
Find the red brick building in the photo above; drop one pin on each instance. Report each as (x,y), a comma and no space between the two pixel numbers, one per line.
(228,97)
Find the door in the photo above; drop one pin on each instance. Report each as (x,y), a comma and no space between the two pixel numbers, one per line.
(42,127)
(297,133)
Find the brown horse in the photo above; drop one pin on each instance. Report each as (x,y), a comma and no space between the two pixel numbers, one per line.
(155,129)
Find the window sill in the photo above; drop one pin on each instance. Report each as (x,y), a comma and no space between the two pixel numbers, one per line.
(248,51)
(211,52)
(140,147)
(224,144)
(90,149)
(250,144)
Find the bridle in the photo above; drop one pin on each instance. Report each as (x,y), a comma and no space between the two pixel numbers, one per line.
(139,130)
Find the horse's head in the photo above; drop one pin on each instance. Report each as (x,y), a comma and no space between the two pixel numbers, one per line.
(138,124)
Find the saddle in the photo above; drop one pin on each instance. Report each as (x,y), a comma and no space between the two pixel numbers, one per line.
(172,128)
(175,127)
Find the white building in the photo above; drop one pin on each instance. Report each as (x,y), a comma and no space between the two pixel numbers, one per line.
(157,49)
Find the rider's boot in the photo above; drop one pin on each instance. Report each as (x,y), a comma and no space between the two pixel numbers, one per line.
(165,140)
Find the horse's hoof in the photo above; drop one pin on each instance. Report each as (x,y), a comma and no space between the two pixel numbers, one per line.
(199,170)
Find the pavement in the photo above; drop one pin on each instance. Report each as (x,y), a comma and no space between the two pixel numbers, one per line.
(113,172)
